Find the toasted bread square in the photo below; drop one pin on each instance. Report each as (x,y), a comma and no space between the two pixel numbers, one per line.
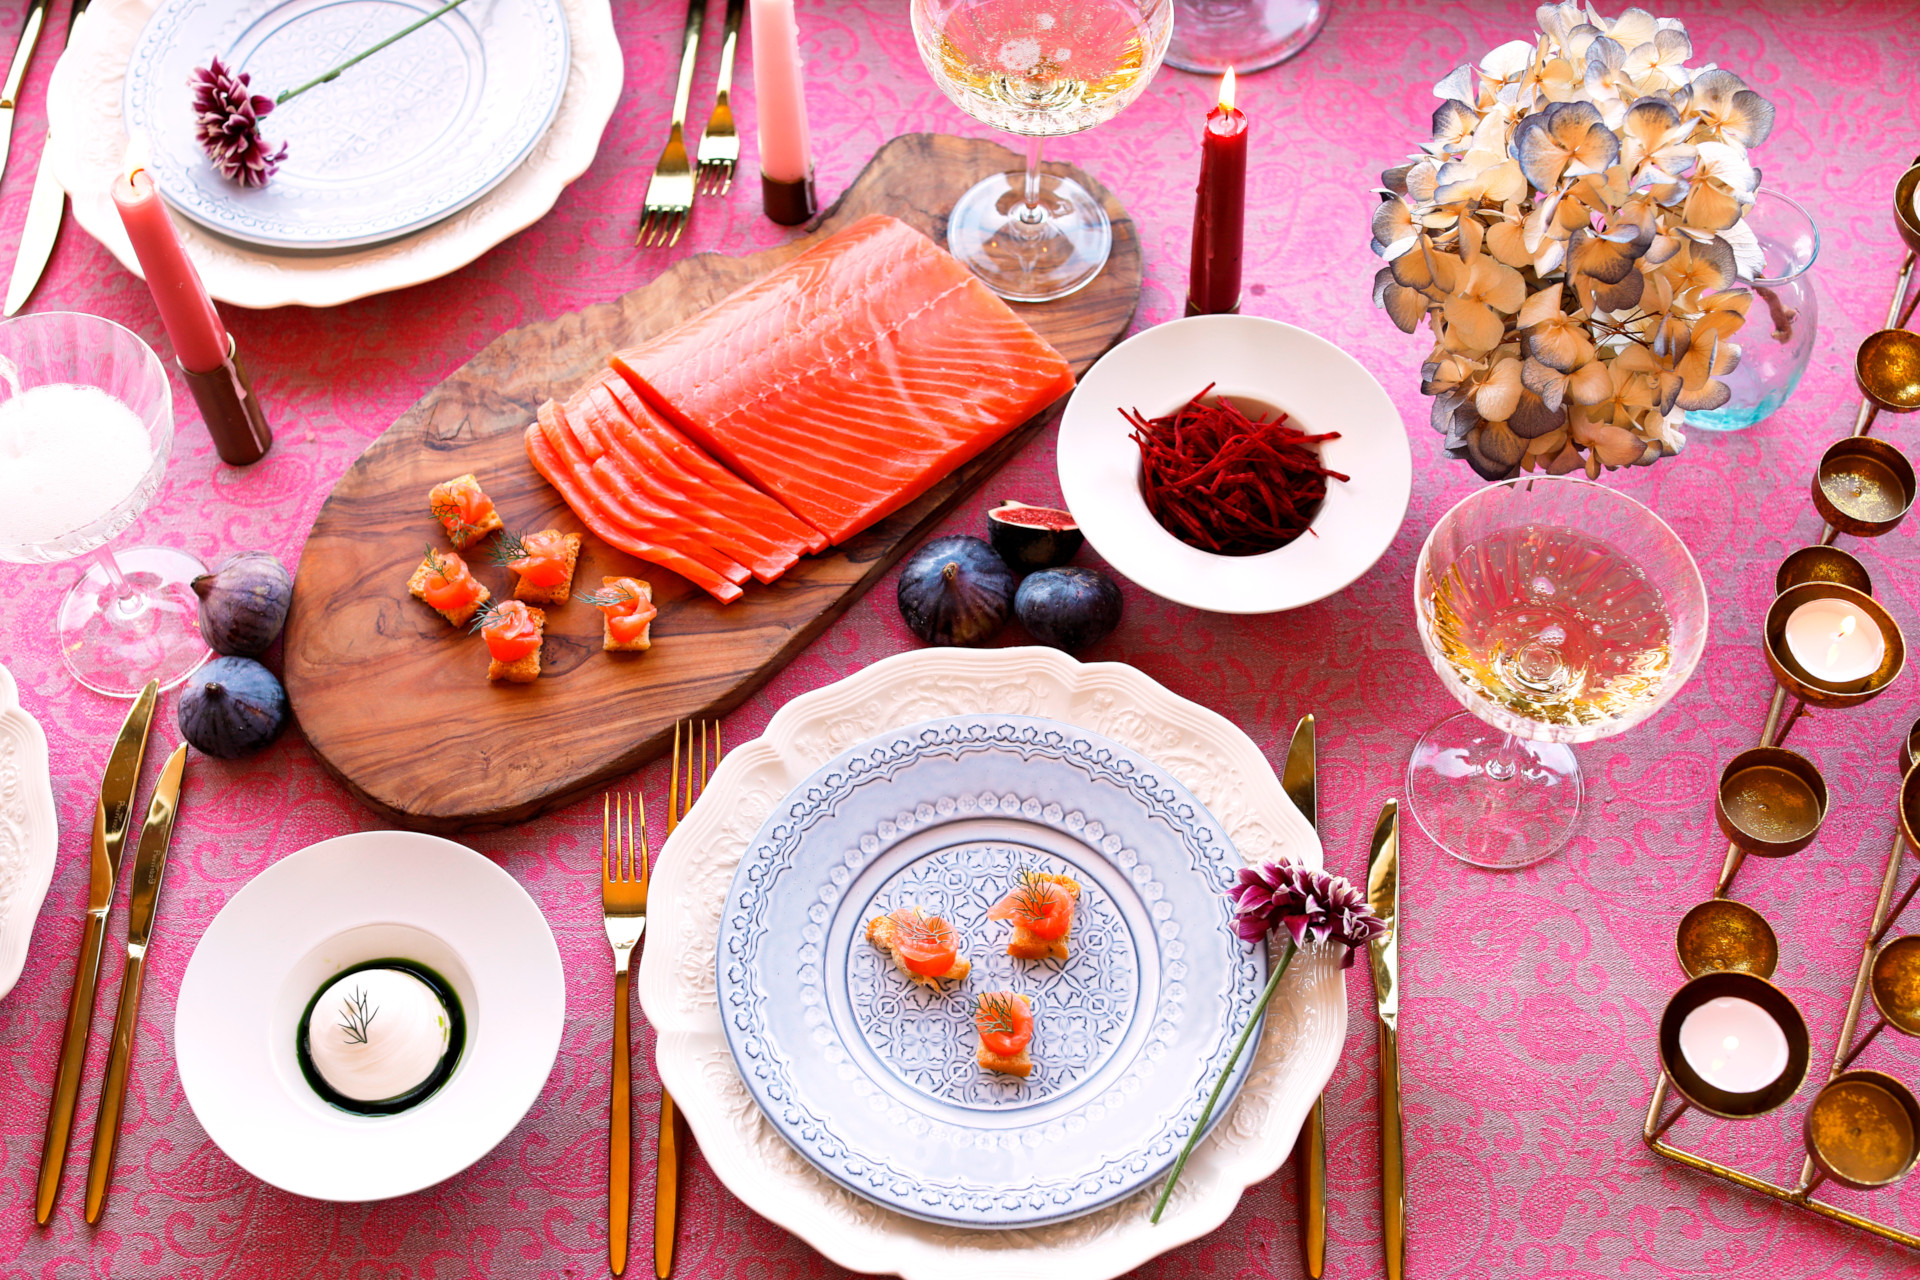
(460,533)
(642,641)
(880,934)
(458,617)
(1025,945)
(560,591)
(1019,1064)
(522,670)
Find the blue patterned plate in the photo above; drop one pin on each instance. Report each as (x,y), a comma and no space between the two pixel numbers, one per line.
(873,1078)
(415,133)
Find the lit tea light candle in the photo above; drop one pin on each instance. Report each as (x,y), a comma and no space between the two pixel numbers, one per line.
(1733,1044)
(1834,641)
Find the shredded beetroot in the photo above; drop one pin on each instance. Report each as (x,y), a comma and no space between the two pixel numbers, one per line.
(1226,483)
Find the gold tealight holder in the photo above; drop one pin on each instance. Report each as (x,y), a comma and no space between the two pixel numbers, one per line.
(1910,748)
(1862,1131)
(1910,799)
(1863,486)
(1771,801)
(1887,367)
(1797,681)
(1895,987)
(1724,936)
(1822,564)
(1694,1089)
(1906,214)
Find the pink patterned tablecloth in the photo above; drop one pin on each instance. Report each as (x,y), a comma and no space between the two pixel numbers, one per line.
(1531,999)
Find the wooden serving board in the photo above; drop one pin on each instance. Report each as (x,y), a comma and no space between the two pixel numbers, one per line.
(398,707)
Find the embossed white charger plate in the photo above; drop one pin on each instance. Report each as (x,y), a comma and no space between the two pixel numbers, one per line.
(1278,366)
(29,830)
(420,129)
(1298,1047)
(369,896)
(89,140)
(872,1077)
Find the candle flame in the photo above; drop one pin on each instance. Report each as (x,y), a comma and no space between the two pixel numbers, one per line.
(1846,629)
(136,156)
(1226,90)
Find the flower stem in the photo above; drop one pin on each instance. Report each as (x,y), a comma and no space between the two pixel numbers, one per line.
(1226,1073)
(364,54)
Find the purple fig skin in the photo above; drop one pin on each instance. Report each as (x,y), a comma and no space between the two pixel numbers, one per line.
(1026,547)
(1069,608)
(232,707)
(955,591)
(243,603)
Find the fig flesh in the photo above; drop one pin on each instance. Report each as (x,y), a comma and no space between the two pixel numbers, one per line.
(1029,537)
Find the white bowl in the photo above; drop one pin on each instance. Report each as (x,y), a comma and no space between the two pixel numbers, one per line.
(369,896)
(1320,387)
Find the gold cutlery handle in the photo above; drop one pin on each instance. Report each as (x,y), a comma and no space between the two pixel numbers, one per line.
(1313,1189)
(723,89)
(73,1059)
(113,1091)
(689,57)
(620,1130)
(666,1190)
(1393,1173)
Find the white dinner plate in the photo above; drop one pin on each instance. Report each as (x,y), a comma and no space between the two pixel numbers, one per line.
(1297,1049)
(29,830)
(370,896)
(1319,386)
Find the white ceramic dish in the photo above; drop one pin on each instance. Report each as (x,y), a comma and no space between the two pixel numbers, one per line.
(1320,387)
(1210,756)
(369,896)
(29,831)
(89,141)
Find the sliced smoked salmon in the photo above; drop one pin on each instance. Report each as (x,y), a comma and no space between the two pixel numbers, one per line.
(849,381)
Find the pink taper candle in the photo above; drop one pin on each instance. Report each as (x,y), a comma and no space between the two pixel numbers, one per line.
(786,153)
(193,326)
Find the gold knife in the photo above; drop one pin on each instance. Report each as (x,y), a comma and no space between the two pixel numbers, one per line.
(1298,780)
(143,899)
(17,74)
(110,819)
(46,209)
(1383,895)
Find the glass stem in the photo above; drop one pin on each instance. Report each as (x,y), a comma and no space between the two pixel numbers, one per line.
(1033,214)
(1504,764)
(111,567)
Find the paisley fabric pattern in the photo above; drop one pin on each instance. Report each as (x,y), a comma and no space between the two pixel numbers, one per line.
(1530,1000)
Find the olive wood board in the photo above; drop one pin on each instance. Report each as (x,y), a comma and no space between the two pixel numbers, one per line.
(396,704)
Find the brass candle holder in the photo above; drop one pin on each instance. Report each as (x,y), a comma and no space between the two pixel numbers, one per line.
(1696,1091)
(1910,748)
(1887,367)
(1895,986)
(1771,802)
(1906,215)
(1863,1131)
(1864,486)
(1802,684)
(1822,563)
(1724,936)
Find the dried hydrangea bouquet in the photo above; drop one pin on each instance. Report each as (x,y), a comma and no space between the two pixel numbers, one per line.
(1574,236)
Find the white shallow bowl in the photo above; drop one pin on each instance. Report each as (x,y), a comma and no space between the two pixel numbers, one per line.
(1298,1047)
(369,896)
(1320,387)
(29,832)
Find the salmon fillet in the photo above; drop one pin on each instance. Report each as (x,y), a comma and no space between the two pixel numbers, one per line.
(851,380)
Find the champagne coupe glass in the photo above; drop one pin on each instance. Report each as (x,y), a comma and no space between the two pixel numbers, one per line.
(86,424)
(1040,69)
(1557,611)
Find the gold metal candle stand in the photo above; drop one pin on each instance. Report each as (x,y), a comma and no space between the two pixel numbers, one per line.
(1862,1129)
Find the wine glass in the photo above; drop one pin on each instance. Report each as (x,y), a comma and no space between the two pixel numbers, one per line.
(1040,69)
(1557,611)
(86,424)
(1776,343)
(1246,35)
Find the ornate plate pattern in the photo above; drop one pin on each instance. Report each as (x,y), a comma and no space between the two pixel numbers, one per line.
(29,834)
(89,140)
(1216,761)
(871,1076)
(419,130)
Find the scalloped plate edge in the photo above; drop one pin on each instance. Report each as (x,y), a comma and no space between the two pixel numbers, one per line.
(39,832)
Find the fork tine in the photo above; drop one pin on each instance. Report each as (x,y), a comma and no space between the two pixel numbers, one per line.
(673,782)
(646,868)
(606,830)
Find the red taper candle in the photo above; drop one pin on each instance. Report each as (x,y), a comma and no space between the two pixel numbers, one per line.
(1220,209)
(202,347)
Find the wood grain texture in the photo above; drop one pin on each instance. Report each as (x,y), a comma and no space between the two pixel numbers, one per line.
(397,706)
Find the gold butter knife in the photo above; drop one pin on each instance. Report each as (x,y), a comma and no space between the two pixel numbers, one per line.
(143,895)
(1383,895)
(110,818)
(1299,780)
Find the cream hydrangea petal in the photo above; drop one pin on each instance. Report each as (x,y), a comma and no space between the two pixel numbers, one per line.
(1472,324)
(1541,306)
(1498,395)
(1590,384)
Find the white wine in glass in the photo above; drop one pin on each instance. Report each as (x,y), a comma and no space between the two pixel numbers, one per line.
(1039,69)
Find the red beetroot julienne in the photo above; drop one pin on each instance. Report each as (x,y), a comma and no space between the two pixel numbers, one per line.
(1226,483)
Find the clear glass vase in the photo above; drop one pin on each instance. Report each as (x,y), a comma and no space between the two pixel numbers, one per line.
(1777,340)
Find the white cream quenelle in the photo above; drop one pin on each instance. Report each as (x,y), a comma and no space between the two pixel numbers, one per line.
(377,1033)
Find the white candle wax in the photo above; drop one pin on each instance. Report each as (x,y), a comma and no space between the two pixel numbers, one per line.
(1835,641)
(779,90)
(1734,1045)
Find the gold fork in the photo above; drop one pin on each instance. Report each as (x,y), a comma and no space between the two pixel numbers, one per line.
(670,193)
(666,1191)
(719,144)
(623,898)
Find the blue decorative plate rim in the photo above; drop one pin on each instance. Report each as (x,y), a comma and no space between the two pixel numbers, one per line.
(1130,820)
(254,217)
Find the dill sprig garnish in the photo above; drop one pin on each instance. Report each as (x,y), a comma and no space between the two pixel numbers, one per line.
(486,614)
(1033,893)
(357,1016)
(434,563)
(449,514)
(603,598)
(509,547)
(918,928)
(993,1013)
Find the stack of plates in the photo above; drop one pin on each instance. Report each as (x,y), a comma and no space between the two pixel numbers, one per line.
(410,164)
